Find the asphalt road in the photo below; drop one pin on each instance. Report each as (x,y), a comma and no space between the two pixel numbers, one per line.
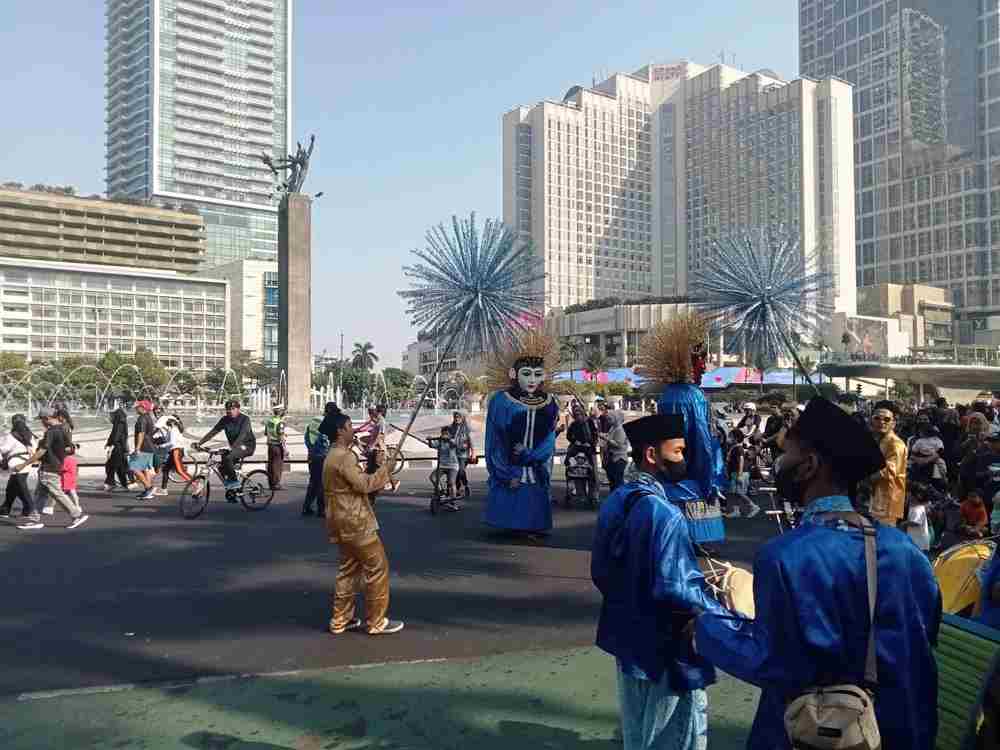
(140,595)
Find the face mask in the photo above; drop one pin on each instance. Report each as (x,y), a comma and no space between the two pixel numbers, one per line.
(675,471)
(789,488)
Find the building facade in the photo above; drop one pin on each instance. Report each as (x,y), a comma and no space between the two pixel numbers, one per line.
(55,309)
(49,226)
(924,137)
(196,91)
(623,187)
(253,290)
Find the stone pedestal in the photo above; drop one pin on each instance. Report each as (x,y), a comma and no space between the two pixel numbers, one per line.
(295,299)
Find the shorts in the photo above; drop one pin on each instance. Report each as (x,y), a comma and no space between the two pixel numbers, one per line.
(739,484)
(140,462)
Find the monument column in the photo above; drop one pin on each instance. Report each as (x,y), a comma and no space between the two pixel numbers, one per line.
(295,298)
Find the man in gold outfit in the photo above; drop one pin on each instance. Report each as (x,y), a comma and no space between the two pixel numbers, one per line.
(888,496)
(352,526)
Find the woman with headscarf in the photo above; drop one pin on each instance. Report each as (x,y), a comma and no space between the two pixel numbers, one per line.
(618,449)
(117,448)
(15,450)
(462,437)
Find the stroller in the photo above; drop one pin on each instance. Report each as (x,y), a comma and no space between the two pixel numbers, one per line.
(580,477)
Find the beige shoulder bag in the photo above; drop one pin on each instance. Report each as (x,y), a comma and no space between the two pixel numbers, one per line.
(842,717)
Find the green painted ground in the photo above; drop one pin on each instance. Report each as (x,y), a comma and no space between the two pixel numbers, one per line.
(551,700)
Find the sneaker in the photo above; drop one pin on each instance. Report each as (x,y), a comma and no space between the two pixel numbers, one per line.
(233,485)
(107,487)
(733,514)
(148,494)
(354,624)
(31,525)
(307,512)
(754,510)
(161,492)
(449,505)
(388,626)
(4,516)
(78,521)
(49,510)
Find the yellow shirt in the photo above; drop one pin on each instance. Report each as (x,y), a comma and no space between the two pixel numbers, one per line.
(889,485)
(349,513)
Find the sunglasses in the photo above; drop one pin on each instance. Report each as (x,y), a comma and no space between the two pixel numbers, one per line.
(882,419)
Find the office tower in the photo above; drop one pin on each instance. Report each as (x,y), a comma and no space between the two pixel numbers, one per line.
(197,90)
(921,136)
(624,187)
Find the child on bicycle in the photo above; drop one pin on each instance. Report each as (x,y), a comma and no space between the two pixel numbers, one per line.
(448,462)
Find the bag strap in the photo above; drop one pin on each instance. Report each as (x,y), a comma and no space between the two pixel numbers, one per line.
(871,574)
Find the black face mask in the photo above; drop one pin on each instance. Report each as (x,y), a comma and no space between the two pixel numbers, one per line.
(790,488)
(675,471)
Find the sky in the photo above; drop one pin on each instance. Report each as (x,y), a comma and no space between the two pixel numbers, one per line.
(405,100)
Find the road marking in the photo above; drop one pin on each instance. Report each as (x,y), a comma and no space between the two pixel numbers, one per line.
(205,680)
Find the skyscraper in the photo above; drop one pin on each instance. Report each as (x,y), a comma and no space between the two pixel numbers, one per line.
(624,187)
(920,70)
(196,91)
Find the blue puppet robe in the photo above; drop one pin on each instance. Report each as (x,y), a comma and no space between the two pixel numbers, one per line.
(812,629)
(704,460)
(989,608)
(509,421)
(644,565)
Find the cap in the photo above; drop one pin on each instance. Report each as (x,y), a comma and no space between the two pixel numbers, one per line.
(46,413)
(846,443)
(750,405)
(654,429)
(145,404)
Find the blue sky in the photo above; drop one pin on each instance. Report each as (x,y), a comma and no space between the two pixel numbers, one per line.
(405,100)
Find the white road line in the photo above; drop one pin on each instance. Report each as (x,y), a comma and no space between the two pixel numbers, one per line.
(206,680)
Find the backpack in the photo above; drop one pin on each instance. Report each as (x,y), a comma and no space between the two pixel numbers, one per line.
(842,717)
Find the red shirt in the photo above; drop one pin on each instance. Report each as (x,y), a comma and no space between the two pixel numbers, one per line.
(974,515)
(67,478)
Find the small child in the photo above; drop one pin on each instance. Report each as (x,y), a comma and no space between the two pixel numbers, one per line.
(448,462)
(70,471)
(974,520)
(917,525)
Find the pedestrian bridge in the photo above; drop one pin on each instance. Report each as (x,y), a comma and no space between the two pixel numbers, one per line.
(940,374)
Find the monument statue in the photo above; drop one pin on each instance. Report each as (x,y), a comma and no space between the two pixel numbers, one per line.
(296,165)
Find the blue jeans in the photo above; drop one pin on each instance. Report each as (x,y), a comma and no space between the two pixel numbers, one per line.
(314,492)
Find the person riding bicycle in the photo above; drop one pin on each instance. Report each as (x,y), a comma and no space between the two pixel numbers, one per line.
(239,434)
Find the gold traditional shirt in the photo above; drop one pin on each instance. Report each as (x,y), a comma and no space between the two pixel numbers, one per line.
(349,513)
(889,485)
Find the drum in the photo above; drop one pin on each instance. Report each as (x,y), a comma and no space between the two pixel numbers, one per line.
(957,571)
(732,586)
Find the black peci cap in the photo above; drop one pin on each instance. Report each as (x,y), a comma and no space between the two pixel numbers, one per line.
(654,429)
(843,441)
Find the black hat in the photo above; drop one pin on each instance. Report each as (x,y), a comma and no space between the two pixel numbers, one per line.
(654,429)
(848,445)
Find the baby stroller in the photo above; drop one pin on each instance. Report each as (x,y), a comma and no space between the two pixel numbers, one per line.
(580,479)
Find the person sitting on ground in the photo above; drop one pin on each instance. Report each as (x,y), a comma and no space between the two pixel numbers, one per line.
(242,442)
(975,521)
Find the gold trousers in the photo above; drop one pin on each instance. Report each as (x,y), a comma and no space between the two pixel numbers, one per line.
(361,562)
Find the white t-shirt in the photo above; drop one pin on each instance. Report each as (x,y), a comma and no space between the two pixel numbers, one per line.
(921,533)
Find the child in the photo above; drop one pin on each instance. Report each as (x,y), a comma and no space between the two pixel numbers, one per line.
(448,461)
(738,468)
(917,525)
(68,475)
(974,520)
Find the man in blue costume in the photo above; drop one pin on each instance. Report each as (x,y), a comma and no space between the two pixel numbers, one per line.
(520,440)
(810,594)
(644,565)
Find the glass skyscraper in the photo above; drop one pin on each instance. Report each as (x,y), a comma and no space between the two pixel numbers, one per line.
(922,136)
(197,90)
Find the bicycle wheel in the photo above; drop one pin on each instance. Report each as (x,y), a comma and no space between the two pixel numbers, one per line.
(194,497)
(400,460)
(191,467)
(256,492)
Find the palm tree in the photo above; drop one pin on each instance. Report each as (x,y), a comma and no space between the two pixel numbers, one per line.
(364,357)
(596,362)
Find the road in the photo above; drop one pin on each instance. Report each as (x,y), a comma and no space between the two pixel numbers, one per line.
(140,595)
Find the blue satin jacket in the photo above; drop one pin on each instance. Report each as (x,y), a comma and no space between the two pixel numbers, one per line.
(643,563)
(812,626)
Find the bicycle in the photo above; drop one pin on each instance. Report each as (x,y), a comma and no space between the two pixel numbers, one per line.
(254,492)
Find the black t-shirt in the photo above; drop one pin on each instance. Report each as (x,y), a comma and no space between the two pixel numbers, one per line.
(579,432)
(145,426)
(54,442)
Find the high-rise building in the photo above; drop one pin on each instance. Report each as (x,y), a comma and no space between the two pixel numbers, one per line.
(624,187)
(197,90)
(922,136)
(253,287)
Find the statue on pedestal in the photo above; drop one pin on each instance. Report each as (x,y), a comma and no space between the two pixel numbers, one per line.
(296,165)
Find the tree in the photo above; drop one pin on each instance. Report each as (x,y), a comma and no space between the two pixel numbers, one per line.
(363,357)
(153,374)
(12,361)
(185,384)
(399,383)
(596,362)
